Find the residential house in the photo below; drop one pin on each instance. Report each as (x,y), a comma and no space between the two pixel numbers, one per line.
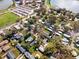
(21,49)
(5,48)
(17,3)
(3,42)
(10,55)
(51,57)
(28,55)
(26,1)
(17,26)
(46,36)
(2,32)
(17,36)
(65,41)
(33,42)
(77,42)
(66,35)
(38,1)
(29,39)
(41,48)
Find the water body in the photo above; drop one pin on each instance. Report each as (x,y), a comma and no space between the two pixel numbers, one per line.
(5,4)
(72,5)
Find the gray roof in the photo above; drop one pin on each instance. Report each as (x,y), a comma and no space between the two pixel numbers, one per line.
(10,55)
(29,39)
(22,50)
(28,55)
(17,36)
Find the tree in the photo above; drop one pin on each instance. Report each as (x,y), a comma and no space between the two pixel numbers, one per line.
(51,19)
(32,20)
(75,25)
(32,49)
(53,45)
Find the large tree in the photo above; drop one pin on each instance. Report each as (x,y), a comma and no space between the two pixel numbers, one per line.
(75,25)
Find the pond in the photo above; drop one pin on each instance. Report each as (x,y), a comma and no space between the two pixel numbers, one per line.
(72,5)
(5,4)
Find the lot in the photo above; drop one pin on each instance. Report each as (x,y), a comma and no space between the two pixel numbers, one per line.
(8,18)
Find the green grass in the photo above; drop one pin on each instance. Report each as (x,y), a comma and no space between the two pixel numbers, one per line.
(16,52)
(8,18)
(24,57)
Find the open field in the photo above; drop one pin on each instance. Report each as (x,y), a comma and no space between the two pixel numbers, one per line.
(8,18)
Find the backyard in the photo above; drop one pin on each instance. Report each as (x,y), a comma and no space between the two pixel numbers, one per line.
(8,18)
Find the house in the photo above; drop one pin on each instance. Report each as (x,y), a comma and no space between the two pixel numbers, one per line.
(21,49)
(41,48)
(65,41)
(10,55)
(3,42)
(77,42)
(17,2)
(72,33)
(38,1)
(2,32)
(29,39)
(47,32)
(26,1)
(5,48)
(33,42)
(28,55)
(30,1)
(45,41)
(49,29)
(46,36)
(77,39)
(47,24)
(51,57)
(66,35)
(57,33)
(17,36)
(60,32)
(25,23)
(17,27)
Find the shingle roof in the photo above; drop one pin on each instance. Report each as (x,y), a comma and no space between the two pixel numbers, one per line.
(29,39)
(10,55)
(28,55)
(22,50)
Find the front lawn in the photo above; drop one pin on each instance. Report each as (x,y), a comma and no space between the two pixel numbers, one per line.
(8,18)
(16,52)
